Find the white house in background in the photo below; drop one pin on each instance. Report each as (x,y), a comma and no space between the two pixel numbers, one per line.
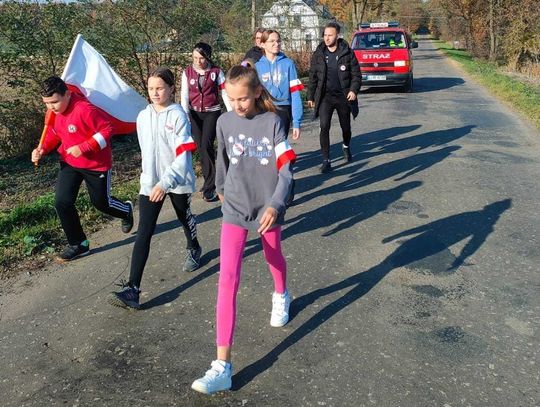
(300,23)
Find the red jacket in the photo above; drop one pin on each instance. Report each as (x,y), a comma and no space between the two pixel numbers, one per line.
(86,126)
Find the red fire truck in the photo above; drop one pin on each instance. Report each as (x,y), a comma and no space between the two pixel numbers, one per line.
(384,53)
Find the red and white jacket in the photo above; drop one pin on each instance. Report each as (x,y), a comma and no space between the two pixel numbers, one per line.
(86,126)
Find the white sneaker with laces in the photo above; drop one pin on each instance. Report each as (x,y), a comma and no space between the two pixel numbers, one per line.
(280,309)
(218,378)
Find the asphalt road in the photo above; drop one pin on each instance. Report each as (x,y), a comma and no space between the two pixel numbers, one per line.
(414,272)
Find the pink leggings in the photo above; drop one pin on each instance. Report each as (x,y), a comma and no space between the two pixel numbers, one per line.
(233,241)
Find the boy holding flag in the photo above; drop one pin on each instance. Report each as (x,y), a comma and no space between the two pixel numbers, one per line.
(81,133)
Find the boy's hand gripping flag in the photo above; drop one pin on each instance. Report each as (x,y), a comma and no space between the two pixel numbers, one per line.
(49,121)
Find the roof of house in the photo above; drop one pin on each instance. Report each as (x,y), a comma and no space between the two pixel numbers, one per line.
(321,10)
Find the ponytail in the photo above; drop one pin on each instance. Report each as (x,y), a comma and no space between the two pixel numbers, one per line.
(265,102)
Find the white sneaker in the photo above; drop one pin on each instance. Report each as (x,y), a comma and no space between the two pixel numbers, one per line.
(218,378)
(280,309)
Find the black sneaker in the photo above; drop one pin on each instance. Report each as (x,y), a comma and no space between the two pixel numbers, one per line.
(210,196)
(347,154)
(325,167)
(73,252)
(193,259)
(127,224)
(127,297)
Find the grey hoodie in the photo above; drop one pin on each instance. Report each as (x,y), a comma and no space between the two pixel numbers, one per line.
(253,167)
(166,145)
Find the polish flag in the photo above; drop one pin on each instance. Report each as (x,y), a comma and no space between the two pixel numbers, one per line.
(88,74)
(284,154)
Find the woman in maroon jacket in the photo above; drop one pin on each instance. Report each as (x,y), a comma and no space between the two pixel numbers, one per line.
(201,83)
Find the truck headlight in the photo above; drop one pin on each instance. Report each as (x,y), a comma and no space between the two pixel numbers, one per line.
(400,63)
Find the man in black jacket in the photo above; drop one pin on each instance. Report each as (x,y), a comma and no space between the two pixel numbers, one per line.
(334,81)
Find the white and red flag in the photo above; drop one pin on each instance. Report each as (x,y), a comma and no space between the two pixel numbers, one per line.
(88,74)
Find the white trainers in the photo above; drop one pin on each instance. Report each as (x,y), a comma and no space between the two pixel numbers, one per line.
(280,309)
(218,378)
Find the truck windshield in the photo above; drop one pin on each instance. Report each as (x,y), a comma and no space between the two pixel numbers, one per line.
(378,40)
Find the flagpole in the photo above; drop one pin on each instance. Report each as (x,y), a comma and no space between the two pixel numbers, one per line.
(71,54)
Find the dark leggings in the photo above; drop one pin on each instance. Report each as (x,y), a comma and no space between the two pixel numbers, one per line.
(326,109)
(284,113)
(98,184)
(203,129)
(148,215)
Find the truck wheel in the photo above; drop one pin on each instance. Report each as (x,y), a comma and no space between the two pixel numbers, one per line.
(408,87)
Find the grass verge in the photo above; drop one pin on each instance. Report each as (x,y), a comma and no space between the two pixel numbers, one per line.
(29,228)
(524,97)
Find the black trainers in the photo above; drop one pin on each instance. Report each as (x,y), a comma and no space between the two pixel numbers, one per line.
(193,259)
(325,167)
(210,196)
(127,297)
(347,154)
(127,224)
(73,252)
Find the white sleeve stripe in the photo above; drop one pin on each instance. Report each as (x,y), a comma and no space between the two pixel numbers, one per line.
(221,78)
(183,140)
(100,140)
(281,148)
(295,82)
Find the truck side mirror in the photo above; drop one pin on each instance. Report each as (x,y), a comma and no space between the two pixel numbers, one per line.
(414,44)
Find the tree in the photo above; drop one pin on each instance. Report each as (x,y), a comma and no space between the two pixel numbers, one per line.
(134,36)
(35,42)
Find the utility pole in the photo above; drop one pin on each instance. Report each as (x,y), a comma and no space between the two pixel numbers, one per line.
(253,19)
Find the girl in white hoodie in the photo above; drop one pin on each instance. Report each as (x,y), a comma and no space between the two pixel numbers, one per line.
(164,134)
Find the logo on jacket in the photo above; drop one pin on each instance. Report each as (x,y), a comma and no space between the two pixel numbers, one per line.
(342,67)
(265,77)
(192,81)
(72,128)
(213,76)
(169,127)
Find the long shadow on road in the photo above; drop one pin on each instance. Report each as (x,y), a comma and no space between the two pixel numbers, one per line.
(430,239)
(401,169)
(345,213)
(310,159)
(419,142)
(379,143)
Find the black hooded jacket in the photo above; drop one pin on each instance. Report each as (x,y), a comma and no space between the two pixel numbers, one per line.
(349,74)
(255,53)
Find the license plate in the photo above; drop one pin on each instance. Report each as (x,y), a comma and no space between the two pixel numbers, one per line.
(376,77)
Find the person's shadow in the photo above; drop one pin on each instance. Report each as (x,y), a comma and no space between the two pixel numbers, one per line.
(400,168)
(344,213)
(419,142)
(430,239)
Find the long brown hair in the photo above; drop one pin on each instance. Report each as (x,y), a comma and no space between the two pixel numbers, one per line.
(265,102)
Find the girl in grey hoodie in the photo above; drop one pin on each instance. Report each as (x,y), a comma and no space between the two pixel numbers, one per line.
(165,139)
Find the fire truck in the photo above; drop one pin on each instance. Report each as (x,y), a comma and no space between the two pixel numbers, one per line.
(384,53)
